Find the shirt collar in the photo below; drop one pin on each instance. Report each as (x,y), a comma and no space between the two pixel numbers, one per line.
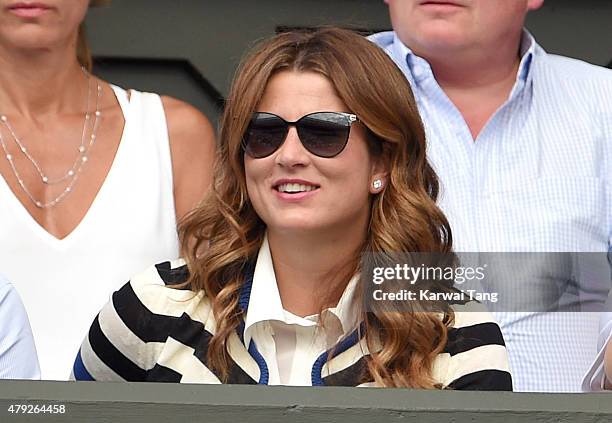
(527,52)
(399,49)
(265,303)
(419,69)
(346,309)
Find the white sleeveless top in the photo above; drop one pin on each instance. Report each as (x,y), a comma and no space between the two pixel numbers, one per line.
(130,225)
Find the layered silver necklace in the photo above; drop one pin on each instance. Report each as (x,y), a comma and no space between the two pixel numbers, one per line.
(72,174)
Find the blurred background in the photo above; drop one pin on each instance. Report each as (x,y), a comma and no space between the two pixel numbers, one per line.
(190,48)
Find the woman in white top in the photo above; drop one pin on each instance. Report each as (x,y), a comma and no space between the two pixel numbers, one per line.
(92,178)
(322,158)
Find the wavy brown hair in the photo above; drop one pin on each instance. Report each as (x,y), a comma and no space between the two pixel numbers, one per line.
(224,234)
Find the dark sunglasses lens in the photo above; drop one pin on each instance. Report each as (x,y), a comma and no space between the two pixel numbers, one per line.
(265,134)
(324,134)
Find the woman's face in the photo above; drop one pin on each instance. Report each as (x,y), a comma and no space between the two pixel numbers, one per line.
(293,190)
(40,24)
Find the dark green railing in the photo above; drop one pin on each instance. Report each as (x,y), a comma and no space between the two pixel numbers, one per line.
(127,402)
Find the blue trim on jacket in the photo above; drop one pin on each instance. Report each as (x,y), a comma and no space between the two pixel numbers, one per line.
(343,345)
(317,368)
(79,370)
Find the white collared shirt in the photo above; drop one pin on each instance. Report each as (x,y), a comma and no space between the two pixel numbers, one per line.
(291,344)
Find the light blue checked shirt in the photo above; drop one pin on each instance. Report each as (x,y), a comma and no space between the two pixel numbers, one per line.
(537,179)
(18,358)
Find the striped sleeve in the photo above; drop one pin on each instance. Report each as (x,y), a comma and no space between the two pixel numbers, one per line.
(128,335)
(475,355)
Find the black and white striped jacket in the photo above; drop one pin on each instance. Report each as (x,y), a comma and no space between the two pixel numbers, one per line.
(151,331)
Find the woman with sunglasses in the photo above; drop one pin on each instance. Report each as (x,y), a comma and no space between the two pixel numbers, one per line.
(92,177)
(322,158)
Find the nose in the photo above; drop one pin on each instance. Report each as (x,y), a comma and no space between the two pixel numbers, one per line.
(292,152)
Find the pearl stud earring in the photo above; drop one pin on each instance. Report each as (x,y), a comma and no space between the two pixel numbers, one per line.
(377,184)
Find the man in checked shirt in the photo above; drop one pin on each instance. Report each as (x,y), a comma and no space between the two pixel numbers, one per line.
(522,143)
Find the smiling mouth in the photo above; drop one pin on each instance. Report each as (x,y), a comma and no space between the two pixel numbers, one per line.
(295,188)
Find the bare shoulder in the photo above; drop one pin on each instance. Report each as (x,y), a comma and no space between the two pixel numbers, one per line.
(184,119)
(192,145)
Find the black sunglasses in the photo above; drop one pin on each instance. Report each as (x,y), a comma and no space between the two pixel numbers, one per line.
(324,134)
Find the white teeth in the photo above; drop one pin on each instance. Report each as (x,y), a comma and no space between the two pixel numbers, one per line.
(293,188)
